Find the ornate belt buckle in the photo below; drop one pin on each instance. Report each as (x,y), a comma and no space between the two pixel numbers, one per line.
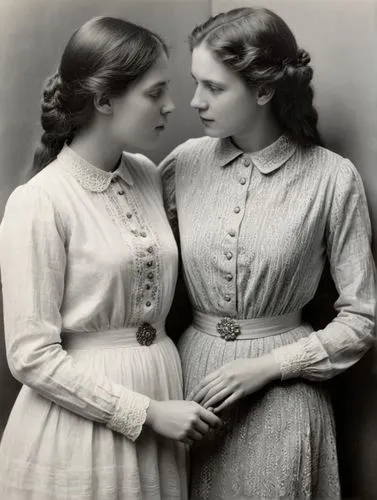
(228,329)
(146,334)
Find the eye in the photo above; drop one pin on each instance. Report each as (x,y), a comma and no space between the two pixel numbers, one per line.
(214,89)
(156,94)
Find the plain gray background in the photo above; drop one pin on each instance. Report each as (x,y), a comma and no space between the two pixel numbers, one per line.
(340,35)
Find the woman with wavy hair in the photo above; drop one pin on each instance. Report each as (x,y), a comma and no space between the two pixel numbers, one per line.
(88,269)
(260,205)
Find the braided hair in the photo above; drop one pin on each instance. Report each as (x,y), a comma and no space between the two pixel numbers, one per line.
(103,57)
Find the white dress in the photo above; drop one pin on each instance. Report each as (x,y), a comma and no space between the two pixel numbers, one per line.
(88,267)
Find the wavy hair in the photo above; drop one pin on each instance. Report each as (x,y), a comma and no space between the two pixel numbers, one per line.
(259,46)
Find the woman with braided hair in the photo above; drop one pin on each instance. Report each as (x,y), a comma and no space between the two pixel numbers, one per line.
(88,269)
(260,204)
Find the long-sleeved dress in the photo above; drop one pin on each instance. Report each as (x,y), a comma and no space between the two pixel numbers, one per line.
(88,268)
(255,230)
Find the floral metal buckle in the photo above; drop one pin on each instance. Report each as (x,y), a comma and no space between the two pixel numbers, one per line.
(146,334)
(228,329)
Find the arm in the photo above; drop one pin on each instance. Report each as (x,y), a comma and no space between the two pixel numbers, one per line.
(33,261)
(342,342)
(167,173)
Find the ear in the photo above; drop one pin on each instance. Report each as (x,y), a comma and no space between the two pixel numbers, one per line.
(103,104)
(264,95)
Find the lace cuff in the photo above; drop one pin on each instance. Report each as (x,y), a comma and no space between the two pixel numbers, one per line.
(130,413)
(292,360)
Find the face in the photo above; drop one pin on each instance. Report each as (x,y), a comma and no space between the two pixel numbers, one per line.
(140,115)
(226,106)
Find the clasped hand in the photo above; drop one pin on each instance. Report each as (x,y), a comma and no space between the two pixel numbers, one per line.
(235,380)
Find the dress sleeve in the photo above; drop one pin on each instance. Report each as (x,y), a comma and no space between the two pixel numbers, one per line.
(167,173)
(342,342)
(33,262)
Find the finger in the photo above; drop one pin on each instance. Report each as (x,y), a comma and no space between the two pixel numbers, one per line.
(195,435)
(200,395)
(201,427)
(187,441)
(217,398)
(215,389)
(234,397)
(209,378)
(210,418)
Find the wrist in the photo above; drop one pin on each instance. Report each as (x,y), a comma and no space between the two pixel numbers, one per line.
(273,368)
(151,411)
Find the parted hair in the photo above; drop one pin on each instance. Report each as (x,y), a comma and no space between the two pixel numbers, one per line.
(259,46)
(103,57)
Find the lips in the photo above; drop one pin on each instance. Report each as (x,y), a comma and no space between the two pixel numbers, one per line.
(205,119)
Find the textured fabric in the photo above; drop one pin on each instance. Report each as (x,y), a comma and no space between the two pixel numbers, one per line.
(83,250)
(254,231)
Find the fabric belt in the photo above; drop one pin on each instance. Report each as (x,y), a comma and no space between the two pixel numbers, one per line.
(145,334)
(239,329)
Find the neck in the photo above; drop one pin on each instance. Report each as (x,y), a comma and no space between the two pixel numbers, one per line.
(263,133)
(96,148)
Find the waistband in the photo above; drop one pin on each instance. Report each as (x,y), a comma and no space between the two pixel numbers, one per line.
(240,329)
(145,334)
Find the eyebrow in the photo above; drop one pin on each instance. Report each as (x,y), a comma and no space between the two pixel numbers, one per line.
(216,82)
(159,84)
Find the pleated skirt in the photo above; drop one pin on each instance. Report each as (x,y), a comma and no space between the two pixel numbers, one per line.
(49,453)
(276,443)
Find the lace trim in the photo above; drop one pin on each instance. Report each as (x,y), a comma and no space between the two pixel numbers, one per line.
(138,225)
(130,413)
(89,176)
(292,360)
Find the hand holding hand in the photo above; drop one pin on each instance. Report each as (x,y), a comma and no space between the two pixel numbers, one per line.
(235,380)
(184,421)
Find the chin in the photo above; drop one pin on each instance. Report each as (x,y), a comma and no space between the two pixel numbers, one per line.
(216,133)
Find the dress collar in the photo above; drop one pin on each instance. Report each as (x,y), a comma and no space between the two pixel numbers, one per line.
(266,160)
(89,176)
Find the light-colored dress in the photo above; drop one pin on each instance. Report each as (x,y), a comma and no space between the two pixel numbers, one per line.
(88,264)
(255,230)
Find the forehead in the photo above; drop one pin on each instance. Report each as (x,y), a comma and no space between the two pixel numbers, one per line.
(205,67)
(159,72)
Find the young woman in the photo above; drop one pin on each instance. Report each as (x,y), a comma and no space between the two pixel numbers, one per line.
(88,268)
(260,204)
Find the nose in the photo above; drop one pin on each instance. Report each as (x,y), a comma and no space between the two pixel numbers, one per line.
(197,102)
(168,106)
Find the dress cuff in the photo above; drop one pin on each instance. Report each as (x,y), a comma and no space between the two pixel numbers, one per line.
(130,413)
(292,360)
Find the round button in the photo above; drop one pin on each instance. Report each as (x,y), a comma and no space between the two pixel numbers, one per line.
(128,215)
(150,263)
(229,277)
(148,303)
(227,298)
(150,249)
(237,210)
(147,286)
(229,255)
(143,234)
(232,233)
(246,162)
(150,276)
(243,181)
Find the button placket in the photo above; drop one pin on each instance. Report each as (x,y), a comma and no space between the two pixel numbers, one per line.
(242,176)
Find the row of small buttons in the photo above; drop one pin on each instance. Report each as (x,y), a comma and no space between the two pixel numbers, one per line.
(150,249)
(232,232)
